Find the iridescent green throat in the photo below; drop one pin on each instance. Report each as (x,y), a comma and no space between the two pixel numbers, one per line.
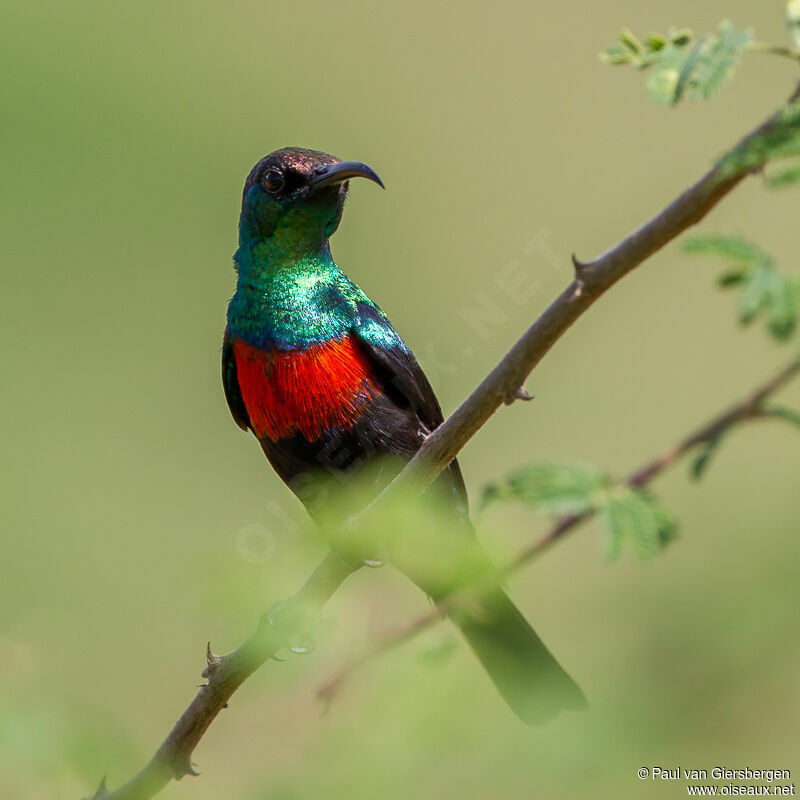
(288,301)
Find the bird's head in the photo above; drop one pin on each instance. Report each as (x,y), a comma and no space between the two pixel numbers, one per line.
(295,197)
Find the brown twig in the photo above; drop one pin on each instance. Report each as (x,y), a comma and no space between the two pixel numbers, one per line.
(592,279)
(504,383)
(225,674)
(751,407)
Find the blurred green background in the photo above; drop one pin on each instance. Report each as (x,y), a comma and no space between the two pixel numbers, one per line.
(139,522)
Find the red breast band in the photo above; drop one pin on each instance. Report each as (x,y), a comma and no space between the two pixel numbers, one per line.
(304,391)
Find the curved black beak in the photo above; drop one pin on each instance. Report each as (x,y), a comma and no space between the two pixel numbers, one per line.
(341,172)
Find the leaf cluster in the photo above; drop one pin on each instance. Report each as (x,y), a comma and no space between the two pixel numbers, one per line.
(680,66)
(779,141)
(630,514)
(764,292)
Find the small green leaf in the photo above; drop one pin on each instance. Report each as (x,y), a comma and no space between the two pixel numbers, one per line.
(631,515)
(786,414)
(719,59)
(655,42)
(763,290)
(681,37)
(667,526)
(783,309)
(686,79)
(732,249)
(780,140)
(615,533)
(630,41)
(701,462)
(616,54)
(663,84)
(756,293)
(784,178)
(554,488)
(732,278)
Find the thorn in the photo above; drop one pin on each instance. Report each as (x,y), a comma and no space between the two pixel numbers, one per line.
(183,766)
(102,790)
(520,393)
(213,662)
(583,272)
(580,266)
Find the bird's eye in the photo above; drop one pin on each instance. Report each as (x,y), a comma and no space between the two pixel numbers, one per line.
(273,181)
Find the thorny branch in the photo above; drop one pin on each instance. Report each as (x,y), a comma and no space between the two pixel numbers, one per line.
(504,384)
(749,409)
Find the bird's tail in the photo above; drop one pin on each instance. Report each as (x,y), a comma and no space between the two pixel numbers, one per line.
(439,552)
(524,671)
(449,565)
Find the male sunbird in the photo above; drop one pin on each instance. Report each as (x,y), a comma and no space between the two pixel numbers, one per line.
(316,371)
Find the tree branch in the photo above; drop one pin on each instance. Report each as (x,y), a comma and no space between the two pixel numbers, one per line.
(592,280)
(503,384)
(747,409)
(225,674)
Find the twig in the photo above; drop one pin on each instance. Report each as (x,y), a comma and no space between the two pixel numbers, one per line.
(225,674)
(592,279)
(504,382)
(774,50)
(750,408)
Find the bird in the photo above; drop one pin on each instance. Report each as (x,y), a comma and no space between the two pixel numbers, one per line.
(316,371)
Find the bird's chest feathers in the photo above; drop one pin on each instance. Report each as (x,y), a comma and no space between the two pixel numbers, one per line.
(310,392)
(293,309)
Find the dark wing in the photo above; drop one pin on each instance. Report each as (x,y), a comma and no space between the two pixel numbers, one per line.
(401,378)
(230,383)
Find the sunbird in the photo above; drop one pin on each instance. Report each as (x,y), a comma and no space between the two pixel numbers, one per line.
(316,371)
